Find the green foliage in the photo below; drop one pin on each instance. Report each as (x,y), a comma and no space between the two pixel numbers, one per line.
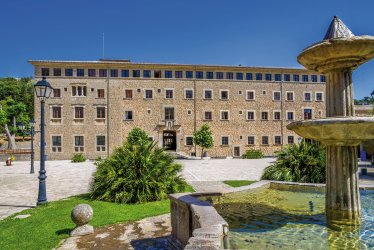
(54,223)
(203,138)
(79,157)
(253,154)
(238,183)
(137,172)
(302,162)
(137,136)
(366,100)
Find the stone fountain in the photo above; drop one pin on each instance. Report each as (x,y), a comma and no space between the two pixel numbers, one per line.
(337,56)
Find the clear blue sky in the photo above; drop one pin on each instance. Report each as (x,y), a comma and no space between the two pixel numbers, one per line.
(253,33)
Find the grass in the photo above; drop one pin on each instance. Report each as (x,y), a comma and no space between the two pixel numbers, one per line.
(51,223)
(238,183)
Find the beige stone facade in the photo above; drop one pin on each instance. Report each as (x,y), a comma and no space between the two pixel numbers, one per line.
(89,104)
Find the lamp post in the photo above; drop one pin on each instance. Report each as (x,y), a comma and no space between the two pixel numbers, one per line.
(32,131)
(42,90)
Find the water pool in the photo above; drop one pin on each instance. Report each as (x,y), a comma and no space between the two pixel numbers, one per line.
(267,218)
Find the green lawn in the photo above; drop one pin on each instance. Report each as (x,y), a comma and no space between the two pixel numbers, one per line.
(51,223)
(238,183)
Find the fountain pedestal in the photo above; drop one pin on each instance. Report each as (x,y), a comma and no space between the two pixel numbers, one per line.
(336,56)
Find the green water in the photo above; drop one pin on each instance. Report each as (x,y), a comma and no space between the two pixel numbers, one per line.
(272,219)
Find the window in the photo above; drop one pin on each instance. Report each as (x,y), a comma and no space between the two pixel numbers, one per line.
(314,78)
(56,143)
(169,113)
(224,140)
(79,91)
(56,112)
(323,78)
(278,77)
(103,73)
(307,114)
(250,95)
(189,141)
(78,112)
(148,94)
(209,75)
(189,112)
(114,73)
(268,77)
(100,93)
(56,93)
(125,73)
(305,78)
(219,75)
(168,74)
(100,143)
(239,76)
(229,75)
(264,115)
(146,73)
(250,115)
(178,74)
(128,93)
(251,140)
(290,139)
(169,94)
(45,71)
(158,73)
(57,72)
(224,94)
(249,76)
(68,72)
(289,96)
(277,140)
(199,74)
(188,94)
(225,115)
(265,140)
(100,112)
(80,72)
(208,115)
(287,77)
(79,143)
(307,96)
(277,115)
(290,115)
(319,96)
(296,78)
(136,73)
(264,92)
(128,115)
(258,76)
(276,95)
(189,74)
(91,72)
(208,94)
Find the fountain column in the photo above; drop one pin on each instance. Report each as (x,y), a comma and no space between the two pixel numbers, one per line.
(336,56)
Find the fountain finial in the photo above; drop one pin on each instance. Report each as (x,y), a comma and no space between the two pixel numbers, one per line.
(337,29)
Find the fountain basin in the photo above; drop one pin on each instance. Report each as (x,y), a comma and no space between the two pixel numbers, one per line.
(338,53)
(337,131)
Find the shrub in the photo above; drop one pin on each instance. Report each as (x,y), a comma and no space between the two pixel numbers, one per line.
(253,154)
(203,138)
(304,162)
(137,172)
(79,157)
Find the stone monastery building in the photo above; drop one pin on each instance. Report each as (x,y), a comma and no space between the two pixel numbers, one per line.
(96,103)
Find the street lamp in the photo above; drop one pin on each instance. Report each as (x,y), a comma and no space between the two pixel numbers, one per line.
(32,131)
(42,90)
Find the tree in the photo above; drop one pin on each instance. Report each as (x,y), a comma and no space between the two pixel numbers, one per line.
(203,138)
(16,105)
(304,162)
(137,172)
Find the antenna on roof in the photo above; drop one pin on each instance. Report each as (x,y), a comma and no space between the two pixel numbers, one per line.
(103,46)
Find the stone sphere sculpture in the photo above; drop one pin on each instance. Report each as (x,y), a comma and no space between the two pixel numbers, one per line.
(81,216)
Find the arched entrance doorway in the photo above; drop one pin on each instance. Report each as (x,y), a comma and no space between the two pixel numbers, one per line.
(169,140)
